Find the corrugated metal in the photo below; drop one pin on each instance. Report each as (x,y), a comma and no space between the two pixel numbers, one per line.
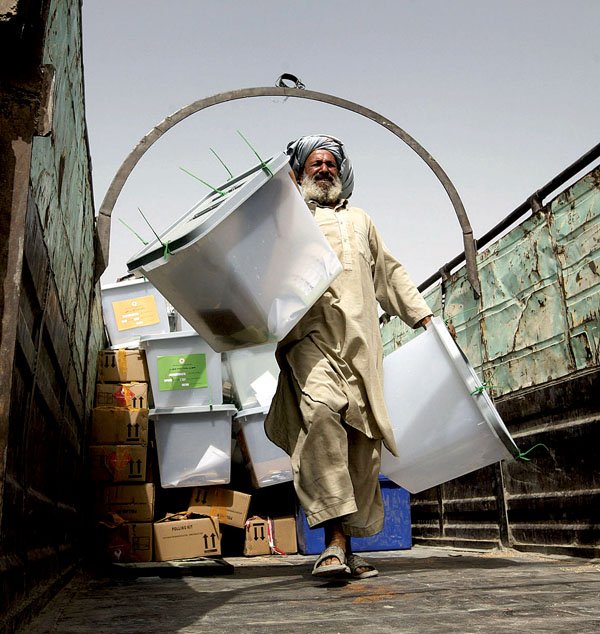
(534,334)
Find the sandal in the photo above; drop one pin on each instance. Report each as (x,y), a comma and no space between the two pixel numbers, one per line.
(331,569)
(355,562)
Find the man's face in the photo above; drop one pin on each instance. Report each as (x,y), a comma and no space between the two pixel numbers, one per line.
(321,165)
(320,178)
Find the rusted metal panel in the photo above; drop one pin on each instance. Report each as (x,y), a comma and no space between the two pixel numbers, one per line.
(461,314)
(575,228)
(538,318)
(522,311)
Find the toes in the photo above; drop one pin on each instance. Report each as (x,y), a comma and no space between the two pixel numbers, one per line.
(330,561)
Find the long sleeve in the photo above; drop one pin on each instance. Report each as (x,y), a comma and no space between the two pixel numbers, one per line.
(395,291)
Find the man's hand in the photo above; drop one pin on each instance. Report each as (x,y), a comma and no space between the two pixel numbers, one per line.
(425,321)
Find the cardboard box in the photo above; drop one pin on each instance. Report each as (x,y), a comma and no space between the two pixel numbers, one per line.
(270,536)
(129,542)
(231,507)
(119,426)
(122,394)
(118,463)
(132,502)
(122,366)
(185,538)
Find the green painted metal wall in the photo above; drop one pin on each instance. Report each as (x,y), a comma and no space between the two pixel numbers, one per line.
(59,332)
(62,189)
(538,318)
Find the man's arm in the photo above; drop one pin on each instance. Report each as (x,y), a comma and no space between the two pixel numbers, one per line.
(394,289)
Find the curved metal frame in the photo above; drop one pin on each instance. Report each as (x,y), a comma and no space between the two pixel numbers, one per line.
(116,186)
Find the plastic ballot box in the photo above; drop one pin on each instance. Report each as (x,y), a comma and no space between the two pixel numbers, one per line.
(244,264)
(444,422)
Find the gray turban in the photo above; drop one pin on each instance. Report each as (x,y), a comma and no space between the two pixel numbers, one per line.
(301,149)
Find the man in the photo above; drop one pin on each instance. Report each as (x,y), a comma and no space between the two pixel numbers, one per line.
(328,412)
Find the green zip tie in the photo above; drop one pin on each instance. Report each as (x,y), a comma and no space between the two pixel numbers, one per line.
(217,191)
(222,163)
(522,454)
(137,235)
(264,166)
(166,251)
(482,388)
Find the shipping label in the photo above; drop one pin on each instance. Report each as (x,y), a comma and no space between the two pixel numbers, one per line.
(135,312)
(181,372)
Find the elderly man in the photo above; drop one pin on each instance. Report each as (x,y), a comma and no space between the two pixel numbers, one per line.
(328,412)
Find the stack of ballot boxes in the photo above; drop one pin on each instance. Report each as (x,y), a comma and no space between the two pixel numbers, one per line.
(119,457)
(162,440)
(253,374)
(191,423)
(193,428)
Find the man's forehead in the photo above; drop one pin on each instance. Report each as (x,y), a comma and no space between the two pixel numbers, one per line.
(321,155)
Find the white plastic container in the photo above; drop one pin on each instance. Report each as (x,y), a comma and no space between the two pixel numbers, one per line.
(131,309)
(193,445)
(444,425)
(253,374)
(184,370)
(245,263)
(268,463)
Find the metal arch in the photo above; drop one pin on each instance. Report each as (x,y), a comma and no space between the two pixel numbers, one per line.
(116,186)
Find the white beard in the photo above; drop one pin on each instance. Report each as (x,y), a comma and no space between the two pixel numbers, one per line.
(321,192)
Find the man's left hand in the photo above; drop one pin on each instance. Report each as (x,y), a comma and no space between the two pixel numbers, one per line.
(425,321)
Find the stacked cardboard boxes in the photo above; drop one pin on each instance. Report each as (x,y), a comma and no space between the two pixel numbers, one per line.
(119,441)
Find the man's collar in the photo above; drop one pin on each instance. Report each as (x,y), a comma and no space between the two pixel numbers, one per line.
(312,205)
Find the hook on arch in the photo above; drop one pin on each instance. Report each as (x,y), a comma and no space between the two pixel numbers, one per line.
(282,79)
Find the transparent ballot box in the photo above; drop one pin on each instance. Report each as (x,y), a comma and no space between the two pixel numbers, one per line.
(267,462)
(131,309)
(245,263)
(184,370)
(253,374)
(193,445)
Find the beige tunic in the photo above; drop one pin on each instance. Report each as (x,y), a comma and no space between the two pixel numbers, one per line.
(334,355)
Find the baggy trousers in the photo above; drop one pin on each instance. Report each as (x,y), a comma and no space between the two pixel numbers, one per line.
(336,471)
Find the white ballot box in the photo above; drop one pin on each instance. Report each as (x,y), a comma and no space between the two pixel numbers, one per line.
(444,423)
(244,264)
